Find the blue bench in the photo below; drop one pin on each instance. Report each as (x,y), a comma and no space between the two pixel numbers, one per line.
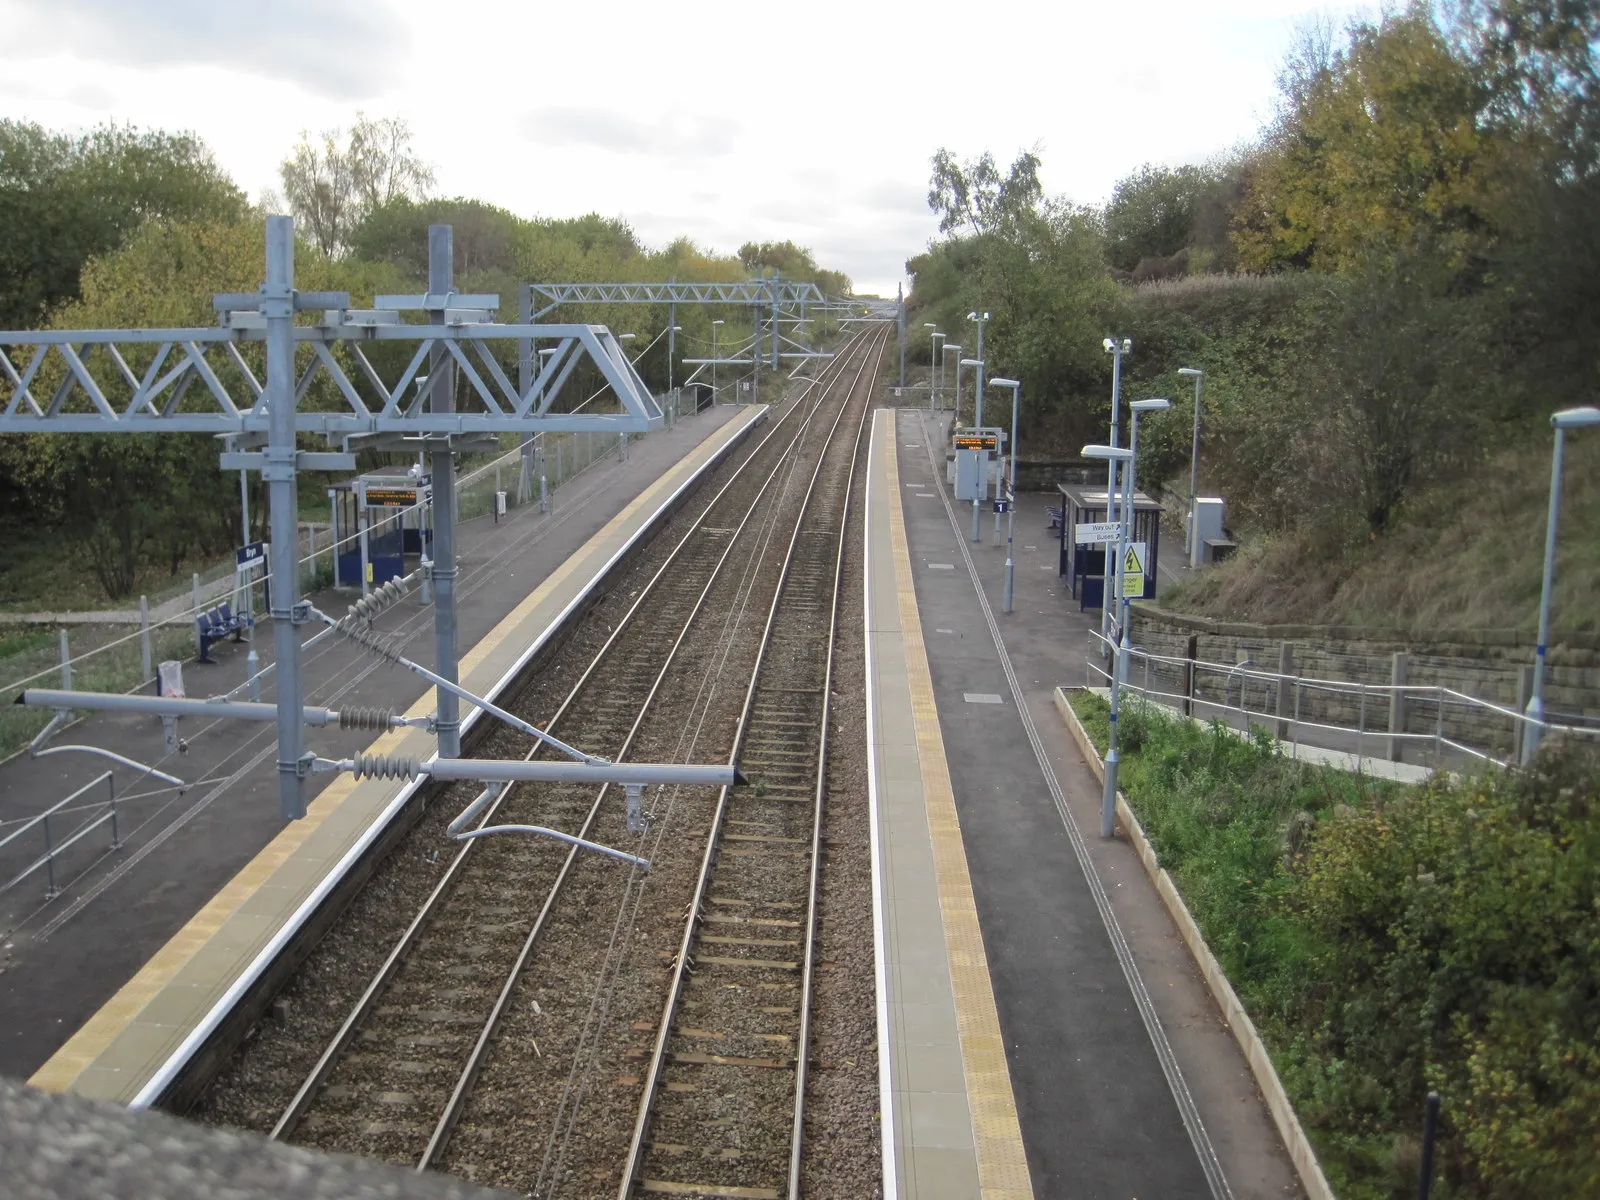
(215,624)
(1055,515)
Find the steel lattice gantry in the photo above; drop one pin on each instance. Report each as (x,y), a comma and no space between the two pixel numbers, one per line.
(200,380)
(776,294)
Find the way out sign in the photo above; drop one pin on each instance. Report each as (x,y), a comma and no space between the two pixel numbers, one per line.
(1133,569)
(1099,531)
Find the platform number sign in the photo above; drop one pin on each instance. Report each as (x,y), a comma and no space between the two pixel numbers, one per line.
(1133,569)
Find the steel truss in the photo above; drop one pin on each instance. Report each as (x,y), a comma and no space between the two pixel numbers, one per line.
(201,381)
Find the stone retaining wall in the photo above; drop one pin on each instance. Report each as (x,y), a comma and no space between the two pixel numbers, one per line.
(1491,665)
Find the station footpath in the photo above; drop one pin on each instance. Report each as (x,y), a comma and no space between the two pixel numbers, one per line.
(63,960)
(1036,997)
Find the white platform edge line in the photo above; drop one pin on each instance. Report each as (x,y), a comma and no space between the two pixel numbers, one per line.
(880,970)
(169,1069)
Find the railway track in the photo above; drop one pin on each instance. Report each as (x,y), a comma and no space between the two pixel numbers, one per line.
(723,1107)
(403,1069)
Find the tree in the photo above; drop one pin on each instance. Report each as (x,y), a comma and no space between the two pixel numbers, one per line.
(975,196)
(66,198)
(1152,212)
(331,185)
(1380,150)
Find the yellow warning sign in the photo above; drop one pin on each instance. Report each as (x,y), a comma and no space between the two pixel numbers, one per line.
(1133,570)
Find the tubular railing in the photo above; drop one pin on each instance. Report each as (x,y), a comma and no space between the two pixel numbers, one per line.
(1300,707)
(52,850)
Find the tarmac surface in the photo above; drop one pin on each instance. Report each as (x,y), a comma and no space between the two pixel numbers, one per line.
(1110,1034)
(62,958)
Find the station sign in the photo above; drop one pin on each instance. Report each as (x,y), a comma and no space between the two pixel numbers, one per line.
(977,441)
(391,497)
(255,554)
(1002,506)
(1099,531)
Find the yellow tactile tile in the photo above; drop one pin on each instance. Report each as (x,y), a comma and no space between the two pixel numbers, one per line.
(329,810)
(997,1133)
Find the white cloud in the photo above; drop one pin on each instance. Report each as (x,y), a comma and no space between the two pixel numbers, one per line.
(719,121)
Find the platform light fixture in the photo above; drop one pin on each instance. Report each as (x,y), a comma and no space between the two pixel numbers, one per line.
(1011,507)
(979,317)
(1568,418)
(945,351)
(715,325)
(933,382)
(1116,347)
(1108,802)
(1194,458)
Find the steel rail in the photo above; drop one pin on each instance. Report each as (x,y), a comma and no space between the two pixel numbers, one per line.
(680,969)
(468,1077)
(333,1052)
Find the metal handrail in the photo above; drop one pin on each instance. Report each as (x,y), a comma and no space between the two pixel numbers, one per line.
(1438,695)
(51,851)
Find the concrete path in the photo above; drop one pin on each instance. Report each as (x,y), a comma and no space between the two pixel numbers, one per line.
(1127,1081)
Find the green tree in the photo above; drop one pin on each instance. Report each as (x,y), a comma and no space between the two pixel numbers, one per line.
(1379,150)
(330,184)
(975,197)
(66,198)
(1152,212)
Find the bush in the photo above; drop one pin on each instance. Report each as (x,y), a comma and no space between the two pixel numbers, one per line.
(1389,940)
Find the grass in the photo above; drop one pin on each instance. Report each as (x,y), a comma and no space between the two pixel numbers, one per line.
(1467,555)
(117,668)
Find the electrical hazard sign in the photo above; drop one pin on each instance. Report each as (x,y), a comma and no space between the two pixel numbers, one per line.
(1133,569)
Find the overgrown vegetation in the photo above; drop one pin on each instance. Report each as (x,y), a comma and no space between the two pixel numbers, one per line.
(1389,291)
(1390,940)
(122,228)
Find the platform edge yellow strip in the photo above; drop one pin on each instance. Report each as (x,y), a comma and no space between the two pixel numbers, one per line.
(997,1132)
(63,1069)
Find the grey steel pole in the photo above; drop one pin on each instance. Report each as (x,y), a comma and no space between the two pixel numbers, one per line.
(900,295)
(774,322)
(442,399)
(1130,495)
(714,357)
(525,361)
(1108,801)
(278,471)
(1194,463)
(978,418)
(672,337)
(146,670)
(1011,509)
(1532,732)
(1106,609)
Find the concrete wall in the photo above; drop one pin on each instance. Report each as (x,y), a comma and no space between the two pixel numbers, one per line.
(1487,664)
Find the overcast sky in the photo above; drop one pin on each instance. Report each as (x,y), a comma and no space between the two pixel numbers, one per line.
(723,121)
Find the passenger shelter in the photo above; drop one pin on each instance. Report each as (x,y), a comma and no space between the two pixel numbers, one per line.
(1084,564)
(380,519)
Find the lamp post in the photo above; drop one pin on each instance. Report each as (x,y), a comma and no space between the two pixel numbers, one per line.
(672,332)
(977,535)
(1116,347)
(1194,458)
(980,318)
(933,360)
(1130,497)
(945,351)
(1570,418)
(1011,508)
(1108,802)
(714,356)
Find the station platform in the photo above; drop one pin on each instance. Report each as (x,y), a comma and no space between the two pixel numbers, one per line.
(1047,1032)
(124,1051)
